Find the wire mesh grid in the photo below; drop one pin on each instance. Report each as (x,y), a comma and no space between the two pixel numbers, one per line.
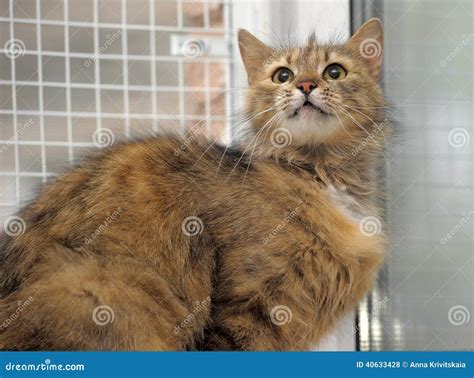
(77,75)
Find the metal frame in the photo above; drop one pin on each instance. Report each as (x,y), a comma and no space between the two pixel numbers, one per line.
(366,329)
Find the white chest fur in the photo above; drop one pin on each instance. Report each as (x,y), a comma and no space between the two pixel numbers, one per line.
(346,203)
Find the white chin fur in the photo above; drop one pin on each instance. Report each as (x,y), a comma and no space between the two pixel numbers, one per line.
(311,127)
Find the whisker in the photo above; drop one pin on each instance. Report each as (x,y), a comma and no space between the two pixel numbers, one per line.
(252,117)
(216,140)
(370,119)
(267,126)
(246,148)
(339,118)
(363,128)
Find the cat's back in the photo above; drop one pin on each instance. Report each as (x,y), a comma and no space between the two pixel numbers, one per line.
(129,199)
(129,173)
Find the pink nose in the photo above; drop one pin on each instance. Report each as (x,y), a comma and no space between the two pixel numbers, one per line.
(306,86)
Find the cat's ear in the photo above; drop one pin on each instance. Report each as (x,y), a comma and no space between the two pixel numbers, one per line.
(367,41)
(253,51)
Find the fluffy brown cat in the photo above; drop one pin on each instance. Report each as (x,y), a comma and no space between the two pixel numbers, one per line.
(178,244)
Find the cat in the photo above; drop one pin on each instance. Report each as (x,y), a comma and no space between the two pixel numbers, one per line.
(172,244)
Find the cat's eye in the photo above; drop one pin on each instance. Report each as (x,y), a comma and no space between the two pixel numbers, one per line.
(334,72)
(282,75)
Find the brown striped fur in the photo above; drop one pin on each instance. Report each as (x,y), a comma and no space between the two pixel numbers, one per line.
(270,235)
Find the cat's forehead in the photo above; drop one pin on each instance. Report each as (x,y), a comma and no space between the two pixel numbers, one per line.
(311,55)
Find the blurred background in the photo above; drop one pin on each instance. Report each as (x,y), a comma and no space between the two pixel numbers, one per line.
(79,75)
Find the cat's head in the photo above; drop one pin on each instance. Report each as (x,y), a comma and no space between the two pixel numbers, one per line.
(316,93)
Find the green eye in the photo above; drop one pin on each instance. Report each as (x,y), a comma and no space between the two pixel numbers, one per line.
(282,75)
(334,72)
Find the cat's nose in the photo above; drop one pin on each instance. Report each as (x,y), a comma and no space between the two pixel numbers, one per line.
(306,86)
